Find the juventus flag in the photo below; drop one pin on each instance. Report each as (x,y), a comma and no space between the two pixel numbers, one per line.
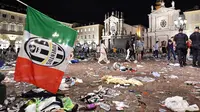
(46,46)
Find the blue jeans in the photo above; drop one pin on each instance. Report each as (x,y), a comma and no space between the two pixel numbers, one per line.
(173,53)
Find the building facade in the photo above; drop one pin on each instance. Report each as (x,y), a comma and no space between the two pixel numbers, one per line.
(116,32)
(193,19)
(162,23)
(89,34)
(12,28)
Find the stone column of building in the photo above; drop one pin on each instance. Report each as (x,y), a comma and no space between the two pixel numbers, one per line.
(121,24)
(108,28)
(118,24)
(106,42)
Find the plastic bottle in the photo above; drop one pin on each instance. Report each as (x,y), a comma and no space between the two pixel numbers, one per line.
(104,106)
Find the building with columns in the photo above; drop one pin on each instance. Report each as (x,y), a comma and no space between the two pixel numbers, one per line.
(12,28)
(116,32)
(163,23)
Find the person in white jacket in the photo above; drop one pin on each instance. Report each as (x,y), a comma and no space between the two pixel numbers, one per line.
(103,54)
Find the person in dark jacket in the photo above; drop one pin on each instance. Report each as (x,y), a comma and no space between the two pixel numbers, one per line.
(195,38)
(2,89)
(181,47)
(170,49)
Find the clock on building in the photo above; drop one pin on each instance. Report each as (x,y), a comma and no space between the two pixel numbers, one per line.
(113,28)
(163,23)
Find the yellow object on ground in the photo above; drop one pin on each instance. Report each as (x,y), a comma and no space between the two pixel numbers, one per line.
(118,80)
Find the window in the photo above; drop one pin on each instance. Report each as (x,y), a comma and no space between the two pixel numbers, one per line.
(89,37)
(93,36)
(20,19)
(12,27)
(89,29)
(92,29)
(85,30)
(20,28)
(12,17)
(78,31)
(81,30)
(85,37)
(4,15)
(4,26)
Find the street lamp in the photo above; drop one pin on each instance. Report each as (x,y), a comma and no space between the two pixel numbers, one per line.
(180,23)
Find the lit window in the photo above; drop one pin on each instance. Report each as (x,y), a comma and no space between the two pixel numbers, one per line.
(78,31)
(85,30)
(92,29)
(81,30)
(12,17)
(4,15)
(89,29)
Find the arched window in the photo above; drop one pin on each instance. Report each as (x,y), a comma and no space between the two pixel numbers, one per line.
(20,27)
(4,26)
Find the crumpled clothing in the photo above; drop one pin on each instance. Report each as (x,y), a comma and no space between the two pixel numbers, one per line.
(116,80)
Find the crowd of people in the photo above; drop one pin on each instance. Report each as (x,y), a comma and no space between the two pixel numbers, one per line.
(9,54)
(178,46)
(182,46)
(134,49)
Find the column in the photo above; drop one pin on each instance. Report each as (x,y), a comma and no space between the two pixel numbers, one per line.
(108,27)
(106,42)
(118,28)
(121,26)
(150,27)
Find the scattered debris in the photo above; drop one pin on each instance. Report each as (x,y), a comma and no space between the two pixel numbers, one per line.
(145,79)
(155,74)
(177,104)
(120,105)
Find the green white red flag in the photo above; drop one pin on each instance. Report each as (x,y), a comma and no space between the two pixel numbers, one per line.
(42,59)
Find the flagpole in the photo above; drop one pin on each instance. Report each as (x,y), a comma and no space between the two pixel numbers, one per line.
(22,3)
(23,83)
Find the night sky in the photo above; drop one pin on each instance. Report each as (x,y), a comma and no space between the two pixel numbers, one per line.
(89,11)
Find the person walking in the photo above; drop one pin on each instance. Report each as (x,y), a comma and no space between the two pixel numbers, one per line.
(139,48)
(170,49)
(97,51)
(156,49)
(195,38)
(142,53)
(128,51)
(86,49)
(164,50)
(189,42)
(103,54)
(181,47)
